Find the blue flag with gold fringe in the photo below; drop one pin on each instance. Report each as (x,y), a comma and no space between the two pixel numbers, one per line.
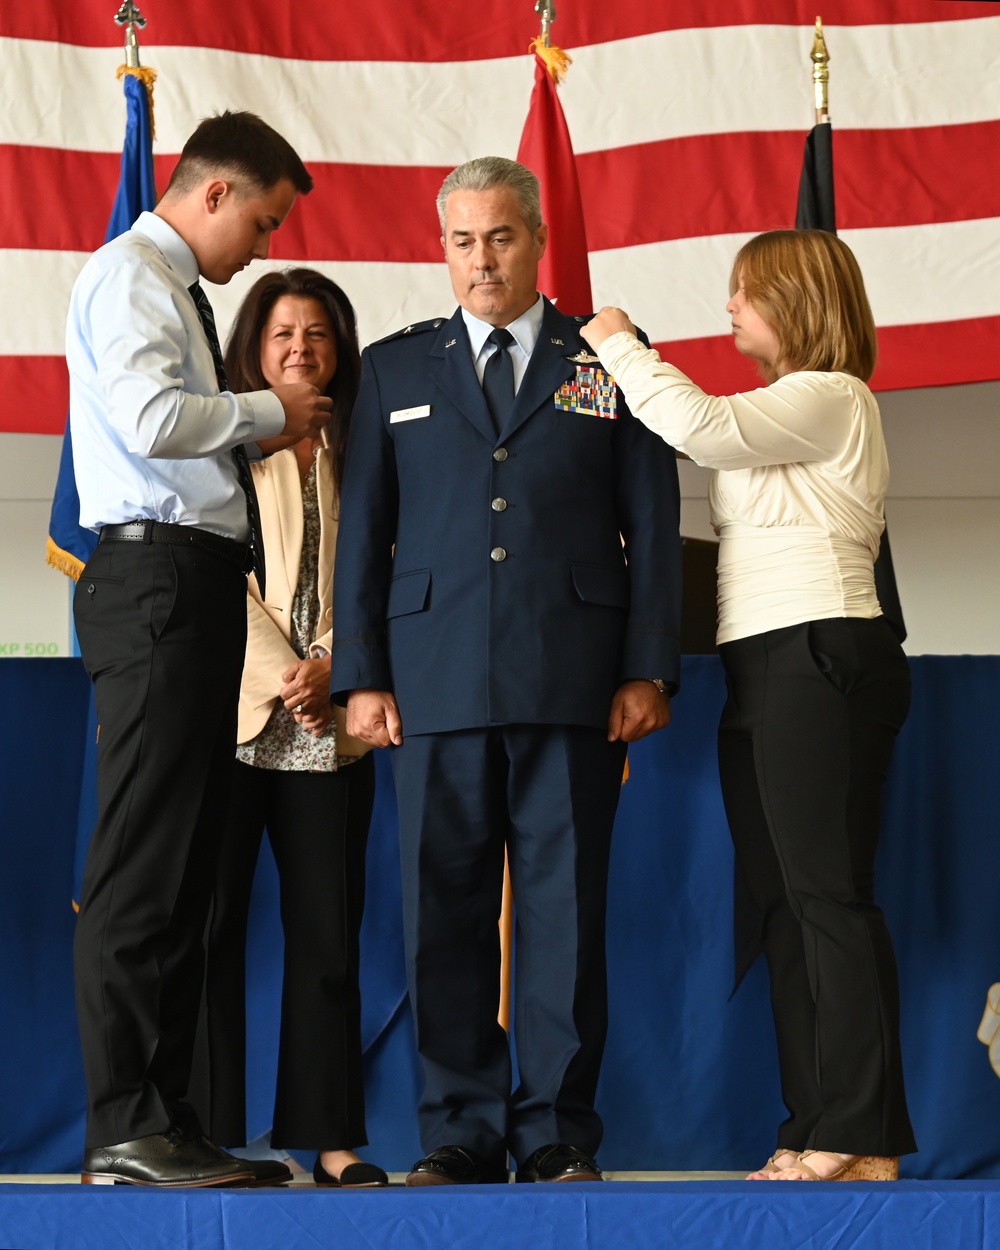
(70,545)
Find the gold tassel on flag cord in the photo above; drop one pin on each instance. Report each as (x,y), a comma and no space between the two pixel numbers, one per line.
(556,61)
(63,561)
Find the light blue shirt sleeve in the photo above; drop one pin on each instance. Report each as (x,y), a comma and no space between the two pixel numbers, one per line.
(152,435)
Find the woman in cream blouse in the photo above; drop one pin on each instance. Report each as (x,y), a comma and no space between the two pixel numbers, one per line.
(818,685)
(297,772)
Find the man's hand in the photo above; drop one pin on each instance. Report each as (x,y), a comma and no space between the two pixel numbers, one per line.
(607,322)
(637,709)
(306,413)
(372,716)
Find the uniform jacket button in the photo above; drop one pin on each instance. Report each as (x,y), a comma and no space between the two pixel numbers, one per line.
(500,454)
(498,554)
(499,505)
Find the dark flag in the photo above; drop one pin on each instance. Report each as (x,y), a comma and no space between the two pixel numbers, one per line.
(817,211)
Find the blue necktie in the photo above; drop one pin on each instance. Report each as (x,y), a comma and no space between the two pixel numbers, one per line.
(498,378)
(239,452)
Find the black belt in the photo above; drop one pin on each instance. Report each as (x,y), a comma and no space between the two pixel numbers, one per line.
(228,549)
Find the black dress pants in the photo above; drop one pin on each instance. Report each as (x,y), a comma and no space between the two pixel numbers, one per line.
(804,744)
(162,632)
(317,824)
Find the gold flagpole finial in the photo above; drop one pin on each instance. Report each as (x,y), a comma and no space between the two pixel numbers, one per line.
(546,10)
(821,74)
(130,17)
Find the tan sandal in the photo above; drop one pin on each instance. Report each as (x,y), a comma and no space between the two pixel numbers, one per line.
(771,1165)
(861,1168)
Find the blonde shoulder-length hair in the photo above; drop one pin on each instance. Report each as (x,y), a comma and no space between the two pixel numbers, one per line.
(807,286)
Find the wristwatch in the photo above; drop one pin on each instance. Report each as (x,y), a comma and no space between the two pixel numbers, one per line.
(659,683)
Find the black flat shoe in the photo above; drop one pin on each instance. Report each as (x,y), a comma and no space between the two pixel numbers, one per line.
(169,1160)
(456,1165)
(354,1176)
(559,1163)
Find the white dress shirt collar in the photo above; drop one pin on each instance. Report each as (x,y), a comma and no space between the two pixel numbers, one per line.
(178,254)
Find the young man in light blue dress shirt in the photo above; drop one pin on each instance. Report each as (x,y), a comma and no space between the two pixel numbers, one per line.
(161,449)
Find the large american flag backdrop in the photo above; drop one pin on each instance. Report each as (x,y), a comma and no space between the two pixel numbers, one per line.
(688,118)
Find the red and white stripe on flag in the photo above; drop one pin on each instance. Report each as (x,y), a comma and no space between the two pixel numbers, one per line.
(688,122)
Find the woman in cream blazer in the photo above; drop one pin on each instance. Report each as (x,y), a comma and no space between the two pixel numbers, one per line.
(297,773)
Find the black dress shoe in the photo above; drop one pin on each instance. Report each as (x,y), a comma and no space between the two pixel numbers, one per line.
(168,1160)
(456,1165)
(559,1163)
(266,1172)
(354,1176)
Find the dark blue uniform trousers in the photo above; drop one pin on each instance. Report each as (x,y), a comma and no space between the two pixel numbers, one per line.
(549,793)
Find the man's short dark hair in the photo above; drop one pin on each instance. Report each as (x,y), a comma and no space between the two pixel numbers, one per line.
(239,146)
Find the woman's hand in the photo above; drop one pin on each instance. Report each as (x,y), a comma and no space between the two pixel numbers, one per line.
(305,687)
(607,322)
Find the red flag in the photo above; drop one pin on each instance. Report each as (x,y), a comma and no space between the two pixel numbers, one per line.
(564,274)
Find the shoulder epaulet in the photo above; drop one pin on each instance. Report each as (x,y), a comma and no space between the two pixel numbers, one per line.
(417,327)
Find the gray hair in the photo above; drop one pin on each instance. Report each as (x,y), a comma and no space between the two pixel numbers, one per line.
(486,172)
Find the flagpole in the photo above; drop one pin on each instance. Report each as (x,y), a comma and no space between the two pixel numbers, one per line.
(821,73)
(546,10)
(130,17)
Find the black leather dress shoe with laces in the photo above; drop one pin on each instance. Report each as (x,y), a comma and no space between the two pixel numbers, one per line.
(559,1163)
(265,1172)
(456,1165)
(169,1160)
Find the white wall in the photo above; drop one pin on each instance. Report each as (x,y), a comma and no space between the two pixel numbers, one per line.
(943,508)
(35,605)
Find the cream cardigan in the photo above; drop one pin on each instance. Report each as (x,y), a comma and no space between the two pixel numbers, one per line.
(269,652)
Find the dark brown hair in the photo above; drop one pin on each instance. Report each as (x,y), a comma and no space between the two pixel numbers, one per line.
(242,147)
(807,286)
(242,356)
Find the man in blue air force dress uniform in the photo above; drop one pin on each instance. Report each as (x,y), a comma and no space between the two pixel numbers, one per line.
(490,626)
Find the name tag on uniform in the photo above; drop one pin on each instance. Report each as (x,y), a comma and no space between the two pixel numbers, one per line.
(591,392)
(409,414)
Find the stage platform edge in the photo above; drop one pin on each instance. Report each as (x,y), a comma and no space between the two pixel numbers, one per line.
(648,1215)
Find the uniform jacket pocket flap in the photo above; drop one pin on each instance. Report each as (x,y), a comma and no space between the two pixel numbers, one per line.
(595,583)
(408,593)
